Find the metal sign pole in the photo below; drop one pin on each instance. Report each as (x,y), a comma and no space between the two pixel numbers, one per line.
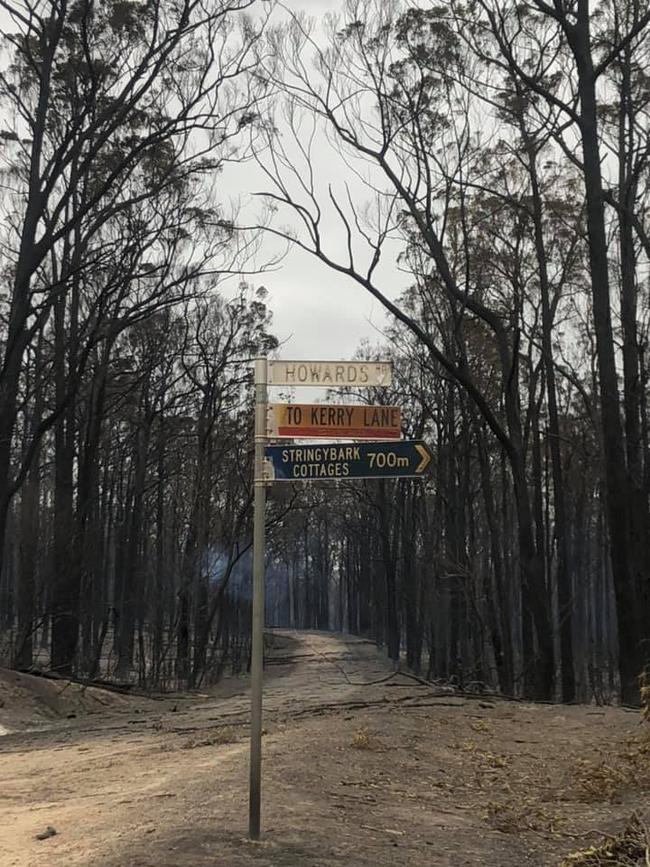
(257,648)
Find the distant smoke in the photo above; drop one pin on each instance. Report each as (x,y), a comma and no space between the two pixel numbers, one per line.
(240,582)
(215,565)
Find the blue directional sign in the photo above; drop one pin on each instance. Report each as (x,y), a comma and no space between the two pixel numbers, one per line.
(339,460)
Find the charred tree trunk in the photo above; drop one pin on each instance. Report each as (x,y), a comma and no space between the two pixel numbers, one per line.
(628,558)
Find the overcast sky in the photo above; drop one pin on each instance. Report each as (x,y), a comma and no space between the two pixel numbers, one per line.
(317,312)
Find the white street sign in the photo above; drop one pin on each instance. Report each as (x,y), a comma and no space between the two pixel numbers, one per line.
(330,373)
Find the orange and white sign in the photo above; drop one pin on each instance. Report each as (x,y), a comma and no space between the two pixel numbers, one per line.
(305,420)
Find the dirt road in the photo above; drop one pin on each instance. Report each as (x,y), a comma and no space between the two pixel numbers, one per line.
(361,768)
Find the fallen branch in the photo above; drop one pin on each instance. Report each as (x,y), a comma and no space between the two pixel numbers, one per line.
(123,688)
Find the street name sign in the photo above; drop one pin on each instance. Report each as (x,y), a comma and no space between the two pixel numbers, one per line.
(300,420)
(330,373)
(332,461)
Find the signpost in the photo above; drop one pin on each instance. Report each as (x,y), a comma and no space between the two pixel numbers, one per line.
(330,373)
(331,461)
(318,461)
(257,627)
(301,420)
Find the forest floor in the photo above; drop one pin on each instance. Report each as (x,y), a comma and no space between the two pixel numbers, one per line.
(356,774)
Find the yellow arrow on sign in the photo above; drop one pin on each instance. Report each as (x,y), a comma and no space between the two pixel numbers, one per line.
(426,458)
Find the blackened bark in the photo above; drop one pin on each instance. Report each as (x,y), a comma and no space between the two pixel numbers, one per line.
(29,537)
(564,578)
(627,561)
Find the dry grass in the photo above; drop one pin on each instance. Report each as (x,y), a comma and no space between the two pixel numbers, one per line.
(629,849)
(626,770)
(516,815)
(601,781)
(484,759)
(226,735)
(466,746)
(364,740)
(482,727)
